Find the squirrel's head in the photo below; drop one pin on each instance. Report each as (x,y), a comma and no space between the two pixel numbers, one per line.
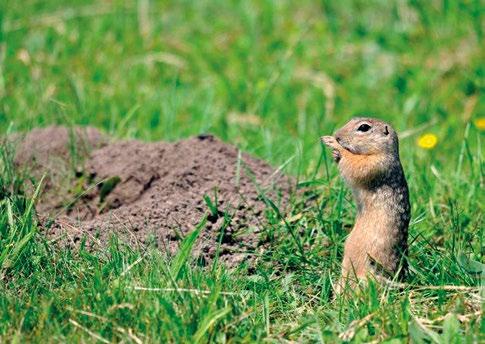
(367,136)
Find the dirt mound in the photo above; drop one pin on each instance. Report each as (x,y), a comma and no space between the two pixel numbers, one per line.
(153,191)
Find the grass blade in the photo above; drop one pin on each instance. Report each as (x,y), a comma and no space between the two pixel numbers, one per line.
(186,248)
(210,320)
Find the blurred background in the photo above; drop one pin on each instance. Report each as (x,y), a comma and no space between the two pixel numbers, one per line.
(268,76)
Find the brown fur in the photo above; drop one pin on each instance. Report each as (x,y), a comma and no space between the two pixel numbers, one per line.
(368,160)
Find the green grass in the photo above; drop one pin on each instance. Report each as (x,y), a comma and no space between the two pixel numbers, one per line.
(269,77)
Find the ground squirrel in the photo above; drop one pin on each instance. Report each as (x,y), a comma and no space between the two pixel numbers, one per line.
(367,153)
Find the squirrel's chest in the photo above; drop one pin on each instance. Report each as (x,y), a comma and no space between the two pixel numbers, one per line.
(370,223)
(374,230)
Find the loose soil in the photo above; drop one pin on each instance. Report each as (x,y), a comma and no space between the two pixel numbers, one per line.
(152,192)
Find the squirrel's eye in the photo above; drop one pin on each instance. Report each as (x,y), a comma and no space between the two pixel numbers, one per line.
(364,127)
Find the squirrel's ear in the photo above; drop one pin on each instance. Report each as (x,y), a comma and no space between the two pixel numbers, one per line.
(386,130)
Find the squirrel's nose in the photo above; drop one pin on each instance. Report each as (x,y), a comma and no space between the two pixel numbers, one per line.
(338,139)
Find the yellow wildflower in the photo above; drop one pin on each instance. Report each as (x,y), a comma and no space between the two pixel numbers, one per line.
(427,141)
(480,123)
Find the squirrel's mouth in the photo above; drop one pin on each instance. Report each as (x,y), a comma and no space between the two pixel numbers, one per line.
(347,147)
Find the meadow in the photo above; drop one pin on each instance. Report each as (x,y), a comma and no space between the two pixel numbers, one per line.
(270,77)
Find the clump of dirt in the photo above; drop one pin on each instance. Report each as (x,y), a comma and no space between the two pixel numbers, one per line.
(153,191)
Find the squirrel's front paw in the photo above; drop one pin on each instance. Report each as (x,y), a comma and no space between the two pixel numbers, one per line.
(336,155)
(330,141)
